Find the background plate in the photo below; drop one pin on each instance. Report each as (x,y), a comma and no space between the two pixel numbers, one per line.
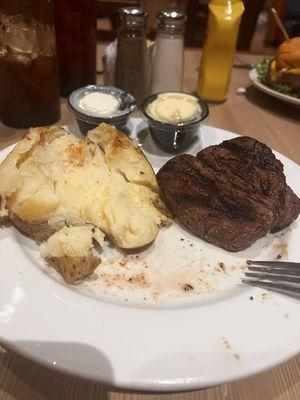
(271,92)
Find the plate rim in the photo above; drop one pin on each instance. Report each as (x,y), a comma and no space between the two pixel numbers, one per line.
(172,384)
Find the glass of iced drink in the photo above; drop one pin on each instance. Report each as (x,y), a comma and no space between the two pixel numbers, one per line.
(29,94)
(75,27)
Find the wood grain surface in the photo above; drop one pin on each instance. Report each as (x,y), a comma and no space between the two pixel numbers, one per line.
(254,114)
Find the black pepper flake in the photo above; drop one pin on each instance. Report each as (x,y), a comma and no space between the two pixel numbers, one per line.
(251,297)
(278,257)
(187,287)
(182,239)
(142,173)
(248,262)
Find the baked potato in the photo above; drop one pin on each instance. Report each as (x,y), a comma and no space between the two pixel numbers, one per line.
(67,193)
(39,230)
(123,156)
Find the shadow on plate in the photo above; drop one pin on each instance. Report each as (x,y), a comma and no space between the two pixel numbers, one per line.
(272,104)
(148,144)
(49,381)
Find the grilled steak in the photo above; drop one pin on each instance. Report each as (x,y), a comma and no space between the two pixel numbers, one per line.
(231,194)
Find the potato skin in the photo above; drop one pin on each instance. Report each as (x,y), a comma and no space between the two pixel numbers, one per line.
(74,269)
(160,205)
(39,230)
(4,221)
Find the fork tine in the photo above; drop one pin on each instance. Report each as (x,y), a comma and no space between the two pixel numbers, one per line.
(281,264)
(275,271)
(276,278)
(280,276)
(281,287)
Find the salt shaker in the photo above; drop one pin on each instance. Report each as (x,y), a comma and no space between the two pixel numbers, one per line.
(167,72)
(131,64)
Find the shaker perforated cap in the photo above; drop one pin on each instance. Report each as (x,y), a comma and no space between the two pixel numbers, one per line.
(133,15)
(171,20)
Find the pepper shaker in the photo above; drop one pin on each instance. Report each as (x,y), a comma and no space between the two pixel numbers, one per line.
(167,73)
(131,64)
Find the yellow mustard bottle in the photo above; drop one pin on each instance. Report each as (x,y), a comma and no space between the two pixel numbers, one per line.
(219,49)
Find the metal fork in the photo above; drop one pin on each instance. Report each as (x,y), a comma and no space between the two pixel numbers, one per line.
(280,276)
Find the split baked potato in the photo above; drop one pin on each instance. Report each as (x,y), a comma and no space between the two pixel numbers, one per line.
(67,193)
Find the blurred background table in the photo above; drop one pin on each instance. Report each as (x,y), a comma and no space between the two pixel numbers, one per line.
(254,114)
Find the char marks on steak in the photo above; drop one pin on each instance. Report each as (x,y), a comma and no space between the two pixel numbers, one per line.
(230,194)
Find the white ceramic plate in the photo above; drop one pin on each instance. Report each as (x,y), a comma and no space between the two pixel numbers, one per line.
(271,92)
(153,332)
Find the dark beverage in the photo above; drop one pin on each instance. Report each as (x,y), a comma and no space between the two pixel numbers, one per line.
(29,94)
(75,24)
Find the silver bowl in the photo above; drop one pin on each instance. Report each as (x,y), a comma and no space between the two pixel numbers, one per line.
(174,137)
(89,120)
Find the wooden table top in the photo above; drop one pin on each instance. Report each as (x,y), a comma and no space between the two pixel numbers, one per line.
(254,114)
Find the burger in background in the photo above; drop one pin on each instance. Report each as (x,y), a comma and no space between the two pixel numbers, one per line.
(282,73)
